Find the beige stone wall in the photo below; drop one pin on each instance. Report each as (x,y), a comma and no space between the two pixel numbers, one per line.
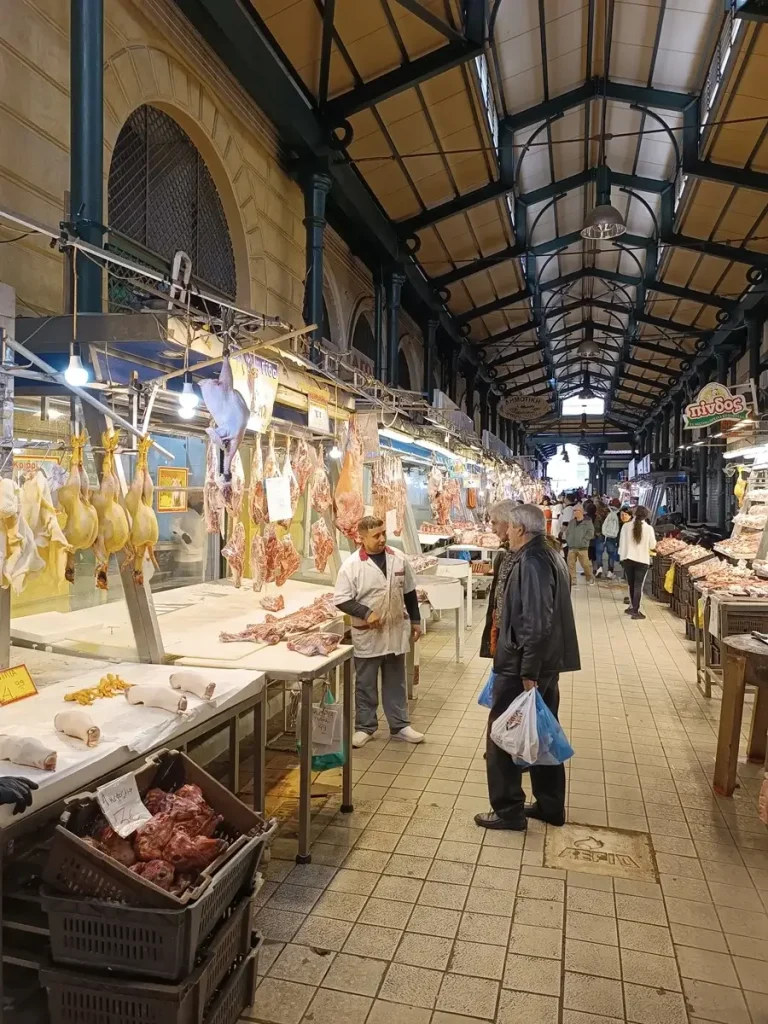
(153,56)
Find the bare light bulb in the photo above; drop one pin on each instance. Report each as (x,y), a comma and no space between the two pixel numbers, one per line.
(76,374)
(187,412)
(335,452)
(188,396)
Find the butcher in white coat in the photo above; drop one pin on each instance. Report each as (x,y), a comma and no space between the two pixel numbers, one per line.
(377,589)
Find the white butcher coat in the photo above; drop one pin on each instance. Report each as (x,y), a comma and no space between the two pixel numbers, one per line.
(360,579)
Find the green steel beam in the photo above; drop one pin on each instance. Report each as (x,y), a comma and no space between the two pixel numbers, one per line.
(492,307)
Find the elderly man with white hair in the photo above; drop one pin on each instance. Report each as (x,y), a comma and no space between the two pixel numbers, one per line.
(532,640)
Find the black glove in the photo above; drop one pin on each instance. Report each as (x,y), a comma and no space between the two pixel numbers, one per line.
(16,791)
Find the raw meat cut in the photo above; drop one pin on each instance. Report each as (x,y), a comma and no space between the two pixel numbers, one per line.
(348,498)
(152,838)
(230,414)
(321,487)
(117,847)
(157,801)
(192,854)
(290,561)
(273,630)
(440,497)
(18,553)
(388,486)
(303,464)
(272,553)
(273,604)
(114,524)
(234,552)
(160,872)
(144,526)
(256,497)
(213,503)
(322,544)
(315,644)
(39,513)
(293,486)
(258,560)
(82,523)
(234,502)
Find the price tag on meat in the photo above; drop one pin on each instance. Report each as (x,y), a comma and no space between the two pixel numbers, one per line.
(121,805)
(391,521)
(16,684)
(278,498)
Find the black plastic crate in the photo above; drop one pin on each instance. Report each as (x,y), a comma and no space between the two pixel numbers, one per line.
(209,996)
(162,944)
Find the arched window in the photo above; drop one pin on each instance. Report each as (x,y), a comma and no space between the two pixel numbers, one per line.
(403,373)
(161,196)
(363,339)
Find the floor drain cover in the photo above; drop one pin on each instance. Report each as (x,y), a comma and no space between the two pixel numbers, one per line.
(600,851)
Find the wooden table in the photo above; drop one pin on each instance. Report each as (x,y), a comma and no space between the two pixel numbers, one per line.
(745,663)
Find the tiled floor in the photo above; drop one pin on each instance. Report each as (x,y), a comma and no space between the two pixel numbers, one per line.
(409,914)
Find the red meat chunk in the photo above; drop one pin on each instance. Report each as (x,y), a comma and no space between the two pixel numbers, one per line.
(152,838)
(108,841)
(188,854)
(158,871)
(157,801)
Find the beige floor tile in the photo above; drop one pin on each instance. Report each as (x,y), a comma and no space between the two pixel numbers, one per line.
(533,941)
(651,1006)
(659,972)
(591,928)
(699,938)
(476,927)
(395,887)
(389,913)
(451,871)
(424,951)
(301,964)
(443,894)
(646,938)
(361,882)
(281,1002)
(591,994)
(715,1002)
(640,908)
(360,975)
(706,965)
(488,901)
(525,1006)
(343,906)
(468,996)
(589,901)
(533,974)
(330,1007)
(592,958)
(434,921)
(372,940)
(477,959)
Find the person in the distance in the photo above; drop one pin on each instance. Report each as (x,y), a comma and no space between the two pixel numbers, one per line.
(377,589)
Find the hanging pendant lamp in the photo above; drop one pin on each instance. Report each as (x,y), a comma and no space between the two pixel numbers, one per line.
(603,222)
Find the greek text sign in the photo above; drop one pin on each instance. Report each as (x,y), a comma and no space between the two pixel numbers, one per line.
(713,404)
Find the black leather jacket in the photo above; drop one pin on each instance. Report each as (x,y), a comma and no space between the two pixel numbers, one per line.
(537,635)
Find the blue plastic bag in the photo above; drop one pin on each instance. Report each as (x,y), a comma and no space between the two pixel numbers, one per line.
(485,699)
(554,747)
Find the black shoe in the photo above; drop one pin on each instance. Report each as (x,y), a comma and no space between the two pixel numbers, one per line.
(637,615)
(626,600)
(534,811)
(628,611)
(491,820)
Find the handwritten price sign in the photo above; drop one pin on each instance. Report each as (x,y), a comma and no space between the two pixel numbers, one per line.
(16,684)
(121,805)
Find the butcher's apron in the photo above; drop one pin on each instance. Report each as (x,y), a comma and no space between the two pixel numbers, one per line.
(385,596)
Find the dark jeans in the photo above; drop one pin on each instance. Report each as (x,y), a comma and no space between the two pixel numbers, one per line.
(634,573)
(505,777)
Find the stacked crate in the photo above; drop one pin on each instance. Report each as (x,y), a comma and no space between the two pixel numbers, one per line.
(659,569)
(125,951)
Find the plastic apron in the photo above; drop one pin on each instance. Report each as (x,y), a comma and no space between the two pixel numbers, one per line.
(385,596)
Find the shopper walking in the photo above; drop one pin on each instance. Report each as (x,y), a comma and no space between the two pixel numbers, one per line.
(610,529)
(580,532)
(637,546)
(598,544)
(377,589)
(536,641)
(500,526)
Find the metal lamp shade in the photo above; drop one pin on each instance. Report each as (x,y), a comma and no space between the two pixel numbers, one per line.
(604,221)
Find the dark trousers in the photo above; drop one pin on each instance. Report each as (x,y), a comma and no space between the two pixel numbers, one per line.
(504,776)
(634,573)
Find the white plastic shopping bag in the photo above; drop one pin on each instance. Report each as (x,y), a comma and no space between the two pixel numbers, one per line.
(515,730)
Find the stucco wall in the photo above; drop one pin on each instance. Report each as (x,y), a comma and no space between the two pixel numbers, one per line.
(153,56)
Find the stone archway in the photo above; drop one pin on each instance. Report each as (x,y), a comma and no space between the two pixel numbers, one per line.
(138,75)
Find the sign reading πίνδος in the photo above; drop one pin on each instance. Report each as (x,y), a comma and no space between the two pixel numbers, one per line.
(713,404)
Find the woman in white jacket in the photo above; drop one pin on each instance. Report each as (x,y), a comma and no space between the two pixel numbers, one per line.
(637,546)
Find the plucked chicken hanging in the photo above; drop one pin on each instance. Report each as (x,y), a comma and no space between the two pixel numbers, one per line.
(144,527)
(230,416)
(82,525)
(18,554)
(38,511)
(114,524)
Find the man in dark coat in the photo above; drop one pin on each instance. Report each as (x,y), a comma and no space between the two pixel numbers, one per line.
(536,641)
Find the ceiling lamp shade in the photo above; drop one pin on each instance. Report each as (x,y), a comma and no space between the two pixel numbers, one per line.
(588,348)
(604,222)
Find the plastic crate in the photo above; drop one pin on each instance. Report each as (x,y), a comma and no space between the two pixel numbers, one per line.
(743,618)
(153,943)
(81,998)
(76,868)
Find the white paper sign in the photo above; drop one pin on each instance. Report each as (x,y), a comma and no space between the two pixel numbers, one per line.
(121,805)
(278,498)
(317,418)
(391,521)
(324,724)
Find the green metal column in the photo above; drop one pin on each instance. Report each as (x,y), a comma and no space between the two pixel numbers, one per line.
(316,190)
(394,284)
(86,105)
(428,385)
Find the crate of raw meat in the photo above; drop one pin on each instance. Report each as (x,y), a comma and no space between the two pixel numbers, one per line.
(201,844)
(209,996)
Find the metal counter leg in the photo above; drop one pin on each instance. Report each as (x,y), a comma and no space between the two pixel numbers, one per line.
(234,756)
(259,753)
(305,769)
(346,784)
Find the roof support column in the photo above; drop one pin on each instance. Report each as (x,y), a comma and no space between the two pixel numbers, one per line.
(723,364)
(316,189)
(493,420)
(755,324)
(677,426)
(380,355)
(483,391)
(470,376)
(86,170)
(394,282)
(429,358)
(515,439)
(664,448)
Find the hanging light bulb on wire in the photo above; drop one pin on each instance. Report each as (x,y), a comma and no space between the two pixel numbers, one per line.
(188,398)
(75,374)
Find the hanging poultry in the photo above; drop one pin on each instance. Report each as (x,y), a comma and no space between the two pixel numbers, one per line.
(230,414)
(82,526)
(38,511)
(18,554)
(114,524)
(144,528)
